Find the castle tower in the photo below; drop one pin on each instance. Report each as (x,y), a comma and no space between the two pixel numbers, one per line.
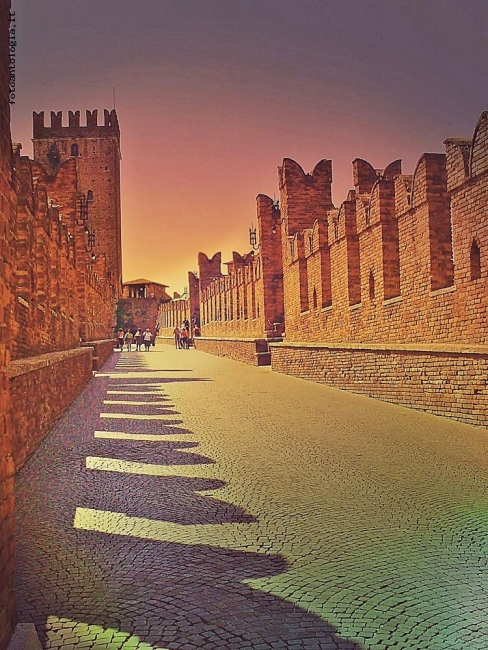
(97,152)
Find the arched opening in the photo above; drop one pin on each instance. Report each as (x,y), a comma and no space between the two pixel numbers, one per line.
(89,195)
(74,150)
(314,298)
(475,261)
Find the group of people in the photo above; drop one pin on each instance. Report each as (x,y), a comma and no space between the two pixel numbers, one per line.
(137,338)
(182,336)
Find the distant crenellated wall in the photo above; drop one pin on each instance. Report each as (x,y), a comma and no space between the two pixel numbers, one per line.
(403,259)
(247,301)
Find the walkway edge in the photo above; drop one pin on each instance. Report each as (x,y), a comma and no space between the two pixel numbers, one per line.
(25,638)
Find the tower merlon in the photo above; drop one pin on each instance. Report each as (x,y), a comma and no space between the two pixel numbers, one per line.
(74,129)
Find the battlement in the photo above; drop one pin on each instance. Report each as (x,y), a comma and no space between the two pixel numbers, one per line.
(74,129)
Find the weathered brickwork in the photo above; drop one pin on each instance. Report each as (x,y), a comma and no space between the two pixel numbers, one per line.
(403,260)
(444,380)
(252,351)
(41,388)
(245,302)
(95,149)
(7,225)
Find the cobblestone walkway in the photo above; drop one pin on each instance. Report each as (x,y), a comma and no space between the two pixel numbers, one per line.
(187,501)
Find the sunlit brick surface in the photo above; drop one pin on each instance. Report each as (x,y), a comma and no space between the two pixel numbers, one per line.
(226,506)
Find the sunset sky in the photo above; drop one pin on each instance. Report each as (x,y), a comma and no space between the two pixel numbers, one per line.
(211,95)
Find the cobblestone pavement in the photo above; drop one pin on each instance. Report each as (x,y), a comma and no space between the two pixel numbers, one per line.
(188,501)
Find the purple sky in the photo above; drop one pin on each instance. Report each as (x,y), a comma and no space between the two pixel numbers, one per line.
(213,94)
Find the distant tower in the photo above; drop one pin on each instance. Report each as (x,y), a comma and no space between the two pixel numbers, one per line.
(97,152)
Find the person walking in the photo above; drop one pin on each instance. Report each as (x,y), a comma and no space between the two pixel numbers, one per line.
(138,340)
(147,337)
(120,339)
(184,339)
(129,339)
(177,335)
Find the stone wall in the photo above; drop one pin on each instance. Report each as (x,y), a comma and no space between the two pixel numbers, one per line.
(447,380)
(41,389)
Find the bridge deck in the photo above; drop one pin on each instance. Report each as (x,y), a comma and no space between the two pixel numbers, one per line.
(189,501)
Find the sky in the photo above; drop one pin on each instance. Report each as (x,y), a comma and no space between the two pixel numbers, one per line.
(211,95)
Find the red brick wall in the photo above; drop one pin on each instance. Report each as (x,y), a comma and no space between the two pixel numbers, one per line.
(247,301)
(41,388)
(136,313)
(7,214)
(98,169)
(445,380)
(396,255)
(254,351)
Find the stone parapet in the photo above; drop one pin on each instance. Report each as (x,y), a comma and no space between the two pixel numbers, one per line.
(101,351)
(252,351)
(446,380)
(41,389)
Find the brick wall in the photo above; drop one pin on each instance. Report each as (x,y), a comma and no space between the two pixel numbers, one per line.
(7,226)
(41,388)
(136,313)
(101,351)
(171,314)
(252,351)
(402,260)
(247,301)
(97,159)
(447,380)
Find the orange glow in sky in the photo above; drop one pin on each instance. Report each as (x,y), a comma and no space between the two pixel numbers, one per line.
(211,96)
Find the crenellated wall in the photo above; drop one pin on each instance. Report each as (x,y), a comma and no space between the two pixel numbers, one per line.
(174,312)
(61,291)
(247,301)
(403,259)
(402,262)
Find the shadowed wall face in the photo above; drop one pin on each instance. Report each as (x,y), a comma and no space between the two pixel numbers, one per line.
(7,203)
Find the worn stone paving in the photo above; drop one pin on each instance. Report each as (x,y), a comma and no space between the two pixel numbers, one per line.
(187,501)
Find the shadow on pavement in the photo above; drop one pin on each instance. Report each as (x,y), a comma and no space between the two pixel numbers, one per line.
(174,595)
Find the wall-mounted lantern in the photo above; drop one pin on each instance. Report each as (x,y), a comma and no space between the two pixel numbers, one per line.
(276,216)
(253,238)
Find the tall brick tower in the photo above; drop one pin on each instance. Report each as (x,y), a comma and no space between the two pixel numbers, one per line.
(97,152)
